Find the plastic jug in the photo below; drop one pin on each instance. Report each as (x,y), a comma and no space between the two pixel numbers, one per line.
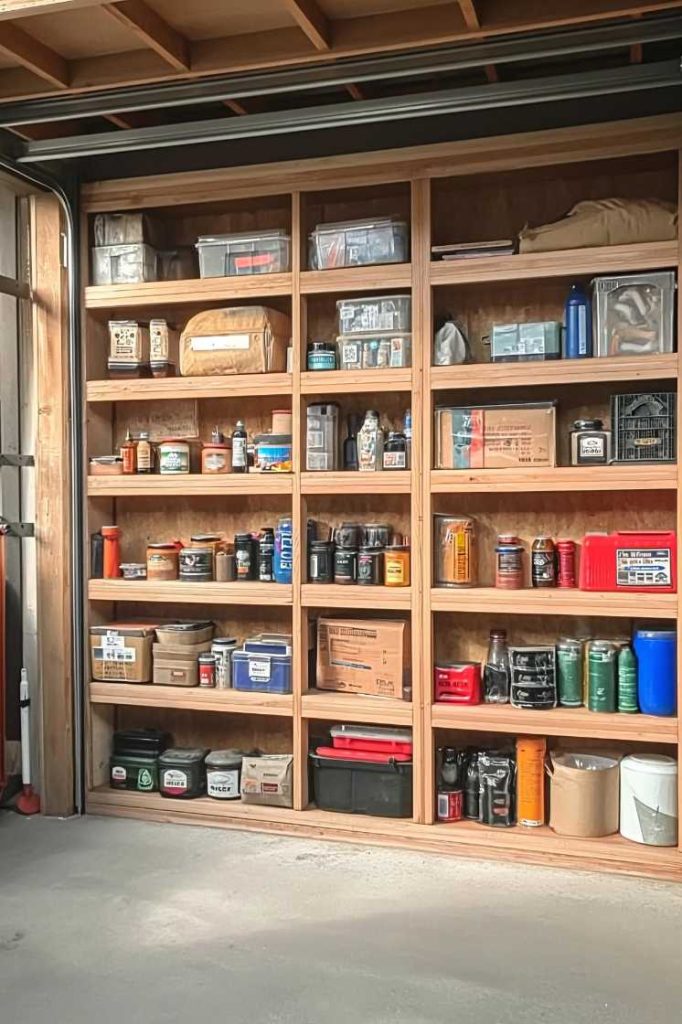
(578,320)
(656,651)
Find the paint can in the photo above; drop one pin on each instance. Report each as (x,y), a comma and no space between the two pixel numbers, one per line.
(196,565)
(648,799)
(454,548)
(223,774)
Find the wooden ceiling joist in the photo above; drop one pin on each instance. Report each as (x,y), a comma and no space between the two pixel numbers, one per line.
(170,45)
(470,14)
(236,107)
(25,8)
(311,18)
(32,54)
(355,91)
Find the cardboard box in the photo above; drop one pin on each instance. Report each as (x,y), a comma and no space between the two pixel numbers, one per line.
(268,779)
(238,339)
(496,436)
(584,795)
(364,656)
(122,652)
(178,666)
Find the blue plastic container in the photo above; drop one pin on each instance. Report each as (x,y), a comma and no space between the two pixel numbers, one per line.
(284,550)
(656,651)
(578,318)
(258,671)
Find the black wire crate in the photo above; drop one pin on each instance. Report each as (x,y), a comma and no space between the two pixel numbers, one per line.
(644,427)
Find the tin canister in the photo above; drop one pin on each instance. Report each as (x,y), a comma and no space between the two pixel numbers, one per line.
(450,805)
(196,565)
(207,670)
(345,565)
(370,567)
(223,648)
(454,548)
(375,535)
(162,561)
(601,675)
(569,663)
(284,550)
(530,780)
(321,561)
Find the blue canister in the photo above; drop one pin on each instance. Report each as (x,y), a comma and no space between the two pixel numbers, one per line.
(321,356)
(578,318)
(284,550)
(656,651)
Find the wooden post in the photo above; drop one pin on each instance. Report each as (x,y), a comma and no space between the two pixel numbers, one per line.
(50,343)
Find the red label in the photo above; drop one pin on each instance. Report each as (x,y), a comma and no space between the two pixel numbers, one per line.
(450,805)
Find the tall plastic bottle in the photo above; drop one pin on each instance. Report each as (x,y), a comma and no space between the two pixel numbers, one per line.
(578,322)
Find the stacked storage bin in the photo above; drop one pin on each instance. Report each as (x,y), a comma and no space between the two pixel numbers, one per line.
(366,770)
(374,332)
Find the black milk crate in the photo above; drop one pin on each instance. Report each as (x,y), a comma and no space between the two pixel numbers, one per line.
(644,427)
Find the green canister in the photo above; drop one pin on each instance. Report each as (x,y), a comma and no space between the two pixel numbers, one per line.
(601,676)
(569,656)
(627,681)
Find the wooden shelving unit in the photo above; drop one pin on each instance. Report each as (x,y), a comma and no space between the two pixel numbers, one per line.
(441,199)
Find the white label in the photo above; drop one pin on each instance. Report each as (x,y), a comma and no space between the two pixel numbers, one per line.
(223,785)
(395,460)
(118,773)
(315,439)
(220,343)
(122,655)
(239,452)
(113,640)
(582,330)
(175,780)
(643,567)
(259,670)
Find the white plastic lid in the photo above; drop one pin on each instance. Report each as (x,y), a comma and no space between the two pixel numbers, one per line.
(372,732)
(650,764)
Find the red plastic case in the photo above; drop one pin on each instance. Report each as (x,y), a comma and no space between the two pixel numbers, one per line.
(367,756)
(372,739)
(630,561)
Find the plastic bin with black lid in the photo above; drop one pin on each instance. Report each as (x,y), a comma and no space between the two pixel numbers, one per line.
(359,243)
(253,252)
(380,784)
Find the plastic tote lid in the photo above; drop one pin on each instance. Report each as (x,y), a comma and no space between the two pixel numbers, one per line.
(650,764)
(585,762)
(655,634)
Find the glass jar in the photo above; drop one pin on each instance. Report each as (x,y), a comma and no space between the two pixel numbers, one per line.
(397,566)
(497,673)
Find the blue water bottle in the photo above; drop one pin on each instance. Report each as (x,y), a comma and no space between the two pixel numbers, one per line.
(578,319)
(284,550)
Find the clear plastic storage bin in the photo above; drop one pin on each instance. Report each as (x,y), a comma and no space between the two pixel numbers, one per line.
(634,314)
(357,243)
(376,313)
(124,264)
(255,252)
(376,351)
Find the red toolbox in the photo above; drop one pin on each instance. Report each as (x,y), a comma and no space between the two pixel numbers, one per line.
(630,560)
(372,739)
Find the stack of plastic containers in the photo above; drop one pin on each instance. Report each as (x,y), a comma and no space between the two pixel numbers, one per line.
(366,770)
(374,332)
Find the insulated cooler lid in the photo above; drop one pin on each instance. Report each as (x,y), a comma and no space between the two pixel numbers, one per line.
(650,764)
(183,756)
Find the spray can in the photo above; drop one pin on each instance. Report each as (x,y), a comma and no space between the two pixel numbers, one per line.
(530,780)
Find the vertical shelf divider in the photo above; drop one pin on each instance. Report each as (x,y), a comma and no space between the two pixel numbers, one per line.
(679,505)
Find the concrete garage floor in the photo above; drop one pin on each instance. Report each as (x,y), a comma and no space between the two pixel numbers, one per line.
(117,922)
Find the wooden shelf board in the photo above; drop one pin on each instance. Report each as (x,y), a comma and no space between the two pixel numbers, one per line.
(194,697)
(355,707)
(554,371)
(554,602)
(236,385)
(339,595)
(188,292)
(178,592)
(560,478)
(190,484)
(468,839)
(381,278)
(577,722)
(345,382)
(606,259)
(396,481)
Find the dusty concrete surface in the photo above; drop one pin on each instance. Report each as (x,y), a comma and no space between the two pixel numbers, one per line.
(116,922)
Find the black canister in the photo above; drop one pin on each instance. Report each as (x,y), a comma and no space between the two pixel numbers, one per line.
(370,571)
(347,535)
(376,535)
(196,565)
(182,772)
(321,561)
(245,553)
(345,565)
(266,555)
(472,787)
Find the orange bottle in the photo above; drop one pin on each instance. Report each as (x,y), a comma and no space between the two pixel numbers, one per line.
(129,454)
(112,552)
(530,780)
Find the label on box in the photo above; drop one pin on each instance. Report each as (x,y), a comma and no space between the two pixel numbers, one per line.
(220,342)
(113,640)
(259,670)
(395,460)
(643,567)
(175,781)
(123,654)
(223,785)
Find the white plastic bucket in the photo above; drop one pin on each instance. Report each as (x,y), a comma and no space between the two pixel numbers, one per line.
(648,799)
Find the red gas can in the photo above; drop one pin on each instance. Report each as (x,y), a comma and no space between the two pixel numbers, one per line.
(458,682)
(633,561)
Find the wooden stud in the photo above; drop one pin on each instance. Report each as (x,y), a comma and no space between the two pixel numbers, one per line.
(156,33)
(309,16)
(34,55)
(470,14)
(236,107)
(354,91)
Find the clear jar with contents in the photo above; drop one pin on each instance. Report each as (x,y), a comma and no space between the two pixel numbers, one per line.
(497,673)
(397,565)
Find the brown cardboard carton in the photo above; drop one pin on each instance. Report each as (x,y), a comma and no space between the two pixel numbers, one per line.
(122,652)
(584,795)
(178,666)
(268,780)
(364,656)
(239,339)
(518,436)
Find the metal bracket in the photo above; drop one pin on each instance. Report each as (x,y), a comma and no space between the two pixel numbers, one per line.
(18,461)
(21,530)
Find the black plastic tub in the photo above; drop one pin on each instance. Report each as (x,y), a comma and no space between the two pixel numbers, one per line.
(360,787)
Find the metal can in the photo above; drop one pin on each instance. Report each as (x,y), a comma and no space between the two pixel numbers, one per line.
(375,535)
(397,565)
(509,554)
(284,550)
(627,681)
(370,567)
(266,554)
(196,565)
(174,457)
(454,548)
(222,647)
(245,557)
(601,676)
(207,670)
(347,535)
(345,565)
(530,780)
(566,563)
(321,561)
(450,805)
(162,561)
(543,562)
(569,661)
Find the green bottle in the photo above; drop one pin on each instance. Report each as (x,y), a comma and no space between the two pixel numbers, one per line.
(627,681)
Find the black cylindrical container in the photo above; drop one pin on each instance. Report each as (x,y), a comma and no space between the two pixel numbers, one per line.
(347,535)
(471,787)
(196,565)
(376,535)
(321,561)
(96,556)
(246,556)
(370,567)
(345,565)
(266,554)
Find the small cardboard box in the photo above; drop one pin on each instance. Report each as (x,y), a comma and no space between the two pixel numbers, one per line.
(496,437)
(122,652)
(268,779)
(364,656)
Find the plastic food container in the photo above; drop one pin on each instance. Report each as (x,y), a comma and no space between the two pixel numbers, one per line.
(363,787)
(182,772)
(260,252)
(378,313)
(260,671)
(634,314)
(123,264)
(372,739)
(355,243)
(648,799)
(224,774)
(374,352)
(174,457)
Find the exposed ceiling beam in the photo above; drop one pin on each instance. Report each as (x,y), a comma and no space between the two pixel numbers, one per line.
(25,8)
(116,119)
(35,56)
(156,33)
(470,14)
(309,16)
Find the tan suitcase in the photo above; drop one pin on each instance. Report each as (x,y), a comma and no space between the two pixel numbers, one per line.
(241,339)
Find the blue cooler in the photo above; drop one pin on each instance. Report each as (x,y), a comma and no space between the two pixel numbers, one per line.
(263,665)
(656,651)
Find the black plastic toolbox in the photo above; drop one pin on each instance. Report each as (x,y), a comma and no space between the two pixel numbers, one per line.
(360,787)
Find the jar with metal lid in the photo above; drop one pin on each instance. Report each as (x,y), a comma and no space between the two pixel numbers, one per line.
(454,551)
(509,552)
(322,355)
(375,535)
(395,451)
(223,647)
(174,456)
(347,535)
(246,559)
(162,561)
(196,564)
(397,565)
(370,567)
(321,561)
(345,565)
(590,443)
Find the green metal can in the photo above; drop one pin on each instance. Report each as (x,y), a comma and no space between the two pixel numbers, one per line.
(627,681)
(569,656)
(601,676)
